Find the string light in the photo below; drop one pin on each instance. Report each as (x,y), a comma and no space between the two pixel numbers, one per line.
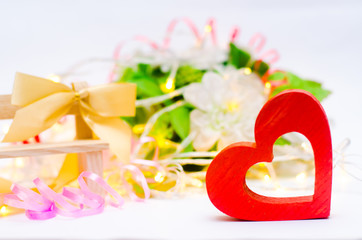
(58,127)
(267,89)
(306,147)
(268,85)
(165,143)
(4,210)
(138,128)
(208,28)
(19,162)
(159,177)
(196,183)
(169,85)
(266,178)
(247,71)
(5,128)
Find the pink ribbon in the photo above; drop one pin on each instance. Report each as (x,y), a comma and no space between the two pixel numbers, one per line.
(271,56)
(171,27)
(72,202)
(211,23)
(119,47)
(135,168)
(235,33)
(257,42)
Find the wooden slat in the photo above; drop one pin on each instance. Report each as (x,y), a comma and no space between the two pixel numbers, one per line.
(28,150)
(7,110)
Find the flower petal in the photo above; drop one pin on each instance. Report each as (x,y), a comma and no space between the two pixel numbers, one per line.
(205,139)
(196,95)
(205,135)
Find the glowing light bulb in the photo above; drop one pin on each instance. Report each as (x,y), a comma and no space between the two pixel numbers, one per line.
(19,162)
(54,77)
(268,85)
(306,147)
(138,128)
(3,210)
(247,71)
(196,183)
(208,28)
(169,85)
(301,177)
(267,178)
(165,143)
(5,128)
(58,127)
(159,177)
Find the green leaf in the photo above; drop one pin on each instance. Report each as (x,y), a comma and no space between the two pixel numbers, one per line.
(189,148)
(180,121)
(140,117)
(186,75)
(238,57)
(295,82)
(162,127)
(147,83)
(144,68)
(146,87)
(282,141)
(260,67)
(127,74)
(277,76)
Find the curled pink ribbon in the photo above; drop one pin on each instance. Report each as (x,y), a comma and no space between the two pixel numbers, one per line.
(171,27)
(72,202)
(134,167)
(257,42)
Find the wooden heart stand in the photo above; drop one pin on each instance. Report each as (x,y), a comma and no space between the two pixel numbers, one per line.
(290,111)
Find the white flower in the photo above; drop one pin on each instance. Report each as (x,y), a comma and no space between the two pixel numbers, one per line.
(226,108)
(198,57)
(203,57)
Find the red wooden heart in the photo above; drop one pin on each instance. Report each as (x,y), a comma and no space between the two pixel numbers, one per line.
(290,111)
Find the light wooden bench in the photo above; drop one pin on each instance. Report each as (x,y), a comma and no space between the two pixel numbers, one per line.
(89,151)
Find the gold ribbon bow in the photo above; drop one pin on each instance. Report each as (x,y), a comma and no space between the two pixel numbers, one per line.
(44,102)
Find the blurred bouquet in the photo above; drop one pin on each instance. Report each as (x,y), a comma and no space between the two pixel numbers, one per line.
(200,100)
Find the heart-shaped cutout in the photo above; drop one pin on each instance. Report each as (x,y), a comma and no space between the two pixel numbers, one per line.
(291,174)
(289,111)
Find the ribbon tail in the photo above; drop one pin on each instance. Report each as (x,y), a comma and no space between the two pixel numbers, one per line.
(112,130)
(5,185)
(68,172)
(39,116)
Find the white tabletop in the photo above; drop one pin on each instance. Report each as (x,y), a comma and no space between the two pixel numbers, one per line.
(316,39)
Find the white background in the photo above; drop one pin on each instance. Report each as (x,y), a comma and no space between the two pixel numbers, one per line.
(316,39)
